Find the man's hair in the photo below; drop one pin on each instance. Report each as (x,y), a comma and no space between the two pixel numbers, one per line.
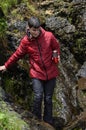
(34,22)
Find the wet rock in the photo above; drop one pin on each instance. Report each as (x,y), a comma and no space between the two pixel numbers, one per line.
(56,23)
(2,94)
(81,89)
(82,71)
(13,119)
(81,93)
(67,22)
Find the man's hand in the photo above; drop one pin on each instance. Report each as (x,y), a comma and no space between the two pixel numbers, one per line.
(2,68)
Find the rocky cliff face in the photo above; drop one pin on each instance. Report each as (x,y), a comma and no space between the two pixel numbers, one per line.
(67,20)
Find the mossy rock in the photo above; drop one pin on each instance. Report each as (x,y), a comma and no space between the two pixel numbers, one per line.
(9,119)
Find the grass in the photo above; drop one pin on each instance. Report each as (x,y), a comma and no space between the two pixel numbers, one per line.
(7,4)
(10,120)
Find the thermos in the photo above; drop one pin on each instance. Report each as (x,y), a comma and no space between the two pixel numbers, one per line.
(55,56)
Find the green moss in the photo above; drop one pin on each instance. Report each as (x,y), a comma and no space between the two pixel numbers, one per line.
(3,27)
(9,83)
(80,43)
(56,104)
(10,120)
(77,129)
(18,89)
(7,4)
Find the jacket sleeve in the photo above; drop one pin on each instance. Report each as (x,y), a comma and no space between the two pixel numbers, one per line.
(18,54)
(55,44)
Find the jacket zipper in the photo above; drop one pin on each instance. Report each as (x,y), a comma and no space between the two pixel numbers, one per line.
(39,48)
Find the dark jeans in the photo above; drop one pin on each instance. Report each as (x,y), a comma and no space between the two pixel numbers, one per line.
(43,89)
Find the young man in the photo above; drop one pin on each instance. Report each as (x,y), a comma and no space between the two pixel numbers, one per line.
(39,44)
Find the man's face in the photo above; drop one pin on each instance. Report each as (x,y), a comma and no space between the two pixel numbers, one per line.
(34,31)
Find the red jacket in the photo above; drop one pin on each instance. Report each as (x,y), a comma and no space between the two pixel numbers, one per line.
(40,51)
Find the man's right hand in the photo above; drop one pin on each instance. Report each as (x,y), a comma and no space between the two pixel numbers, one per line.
(2,68)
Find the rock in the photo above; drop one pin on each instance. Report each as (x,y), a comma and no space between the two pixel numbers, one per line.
(82,71)
(13,119)
(82,83)
(57,23)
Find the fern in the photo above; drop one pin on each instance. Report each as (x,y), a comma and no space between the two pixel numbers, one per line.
(7,4)
(3,27)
